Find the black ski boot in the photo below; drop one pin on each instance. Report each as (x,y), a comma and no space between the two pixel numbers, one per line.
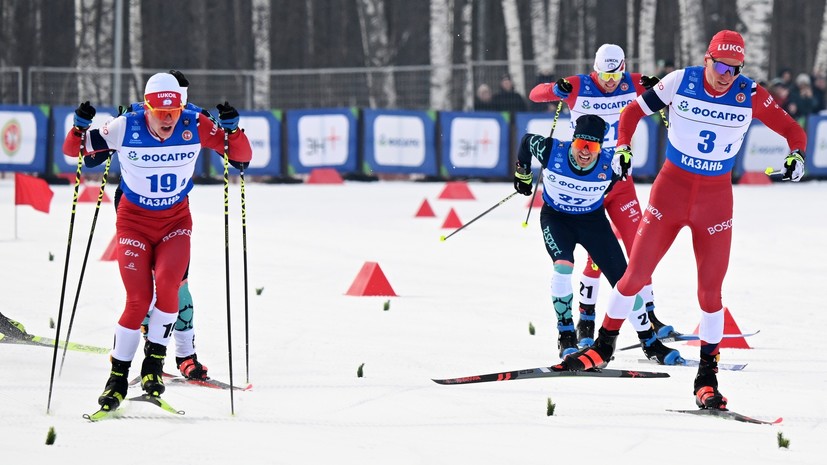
(191,368)
(566,338)
(152,379)
(706,391)
(585,326)
(597,356)
(115,390)
(656,351)
(661,329)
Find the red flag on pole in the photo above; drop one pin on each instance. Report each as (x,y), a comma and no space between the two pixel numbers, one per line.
(29,190)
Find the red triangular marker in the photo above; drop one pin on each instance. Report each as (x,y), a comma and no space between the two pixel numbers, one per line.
(425,209)
(370,281)
(111,252)
(90,194)
(452,221)
(324,176)
(730,327)
(538,200)
(754,177)
(456,190)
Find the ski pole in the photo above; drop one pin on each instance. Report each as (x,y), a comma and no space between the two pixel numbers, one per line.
(443,238)
(85,260)
(66,267)
(227,258)
(540,174)
(246,292)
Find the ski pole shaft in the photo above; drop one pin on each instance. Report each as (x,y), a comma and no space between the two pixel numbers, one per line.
(66,268)
(246,288)
(443,238)
(540,174)
(227,259)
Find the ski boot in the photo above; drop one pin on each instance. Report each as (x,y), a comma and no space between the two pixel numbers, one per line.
(566,337)
(115,390)
(12,329)
(662,330)
(152,378)
(656,351)
(585,326)
(597,356)
(191,368)
(707,395)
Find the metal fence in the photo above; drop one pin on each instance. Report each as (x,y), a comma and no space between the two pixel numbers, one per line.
(405,87)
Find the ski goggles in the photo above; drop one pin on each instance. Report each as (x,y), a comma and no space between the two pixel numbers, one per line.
(161,113)
(580,144)
(610,76)
(723,68)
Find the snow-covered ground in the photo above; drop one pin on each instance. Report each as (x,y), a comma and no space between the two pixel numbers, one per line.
(464,307)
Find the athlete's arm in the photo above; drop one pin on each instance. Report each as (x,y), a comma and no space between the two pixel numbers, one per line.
(545,92)
(765,109)
(213,137)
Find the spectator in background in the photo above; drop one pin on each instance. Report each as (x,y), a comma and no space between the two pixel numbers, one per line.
(482,100)
(820,89)
(802,102)
(507,99)
(780,93)
(544,76)
(668,67)
(785,76)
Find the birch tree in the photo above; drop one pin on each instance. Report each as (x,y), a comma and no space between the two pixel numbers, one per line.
(631,18)
(646,37)
(94,21)
(442,20)
(544,26)
(755,26)
(514,45)
(376,47)
(261,53)
(136,50)
(467,54)
(692,42)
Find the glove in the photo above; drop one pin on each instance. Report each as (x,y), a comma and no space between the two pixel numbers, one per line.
(622,161)
(522,179)
(562,88)
(83,116)
(648,81)
(239,165)
(794,166)
(228,117)
(179,76)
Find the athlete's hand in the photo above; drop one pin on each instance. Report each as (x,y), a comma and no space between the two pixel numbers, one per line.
(622,161)
(179,76)
(83,116)
(562,88)
(522,179)
(794,166)
(648,81)
(239,165)
(228,117)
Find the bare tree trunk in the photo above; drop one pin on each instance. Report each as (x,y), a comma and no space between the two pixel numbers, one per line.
(376,46)
(442,20)
(136,50)
(631,17)
(756,28)
(467,54)
(514,45)
(261,53)
(94,22)
(692,43)
(544,21)
(646,37)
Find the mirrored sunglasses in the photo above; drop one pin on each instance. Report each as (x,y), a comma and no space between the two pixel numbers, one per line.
(723,68)
(161,113)
(580,144)
(610,76)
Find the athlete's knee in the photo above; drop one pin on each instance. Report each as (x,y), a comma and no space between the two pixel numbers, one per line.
(710,300)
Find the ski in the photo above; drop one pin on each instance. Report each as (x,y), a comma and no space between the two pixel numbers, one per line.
(728,415)
(553,371)
(688,337)
(157,401)
(687,362)
(29,339)
(209,382)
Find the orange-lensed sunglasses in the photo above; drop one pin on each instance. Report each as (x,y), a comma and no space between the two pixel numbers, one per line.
(610,76)
(161,113)
(580,144)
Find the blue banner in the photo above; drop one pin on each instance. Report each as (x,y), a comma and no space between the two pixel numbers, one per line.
(321,138)
(762,148)
(475,144)
(23,138)
(399,141)
(263,130)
